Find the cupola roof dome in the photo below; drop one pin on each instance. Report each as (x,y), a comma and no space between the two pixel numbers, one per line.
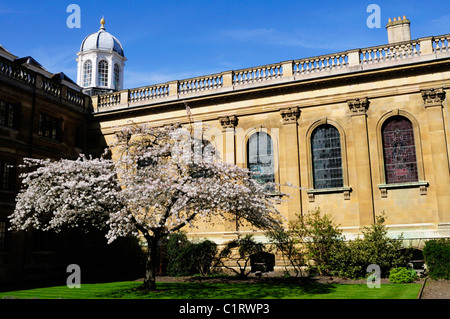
(101,40)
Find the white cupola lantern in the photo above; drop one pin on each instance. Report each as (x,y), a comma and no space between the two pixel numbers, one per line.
(101,63)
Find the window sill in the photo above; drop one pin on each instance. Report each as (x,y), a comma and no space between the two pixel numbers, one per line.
(421,185)
(312,192)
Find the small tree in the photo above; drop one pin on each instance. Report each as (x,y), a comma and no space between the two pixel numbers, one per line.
(319,237)
(291,252)
(202,255)
(239,250)
(161,179)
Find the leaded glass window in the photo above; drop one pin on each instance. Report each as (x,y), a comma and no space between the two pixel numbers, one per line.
(326,157)
(116,76)
(8,113)
(87,73)
(7,176)
(399,151)
(50,127)
(260,157)
(102,73)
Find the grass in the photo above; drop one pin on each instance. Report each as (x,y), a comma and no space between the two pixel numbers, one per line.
(201,290)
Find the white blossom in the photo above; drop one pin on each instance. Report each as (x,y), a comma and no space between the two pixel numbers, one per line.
(160,180)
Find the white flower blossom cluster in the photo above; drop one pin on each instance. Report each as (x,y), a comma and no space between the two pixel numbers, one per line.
(160,179)
(75,193)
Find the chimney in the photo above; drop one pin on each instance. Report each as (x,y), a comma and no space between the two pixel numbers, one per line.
(398,30)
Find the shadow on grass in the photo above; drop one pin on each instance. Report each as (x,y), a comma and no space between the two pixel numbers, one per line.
(284,289)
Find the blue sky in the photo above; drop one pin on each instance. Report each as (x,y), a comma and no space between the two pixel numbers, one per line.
(169,40)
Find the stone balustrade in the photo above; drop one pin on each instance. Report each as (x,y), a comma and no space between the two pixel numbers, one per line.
(423,49)
(258,74)
(390,52)
(441,44)
(40,84)
(320,63)
(148,93)
(15,72)
(110,99)
(51,87)
(202,83)
(75,97)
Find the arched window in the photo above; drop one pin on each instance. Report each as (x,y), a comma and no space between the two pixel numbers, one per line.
(399,151)
(326,157)
(260,157)
(87,73)
(116,76)
(102,73)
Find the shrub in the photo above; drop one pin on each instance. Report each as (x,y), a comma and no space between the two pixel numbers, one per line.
(186,258)
(241,251)
(201,256)
(320,238)
(288,245)
(402,275)
(375,247)
(437,258)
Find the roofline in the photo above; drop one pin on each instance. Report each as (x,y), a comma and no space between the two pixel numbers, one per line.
(359,75)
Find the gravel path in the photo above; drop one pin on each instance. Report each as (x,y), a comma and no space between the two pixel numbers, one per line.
(436,289)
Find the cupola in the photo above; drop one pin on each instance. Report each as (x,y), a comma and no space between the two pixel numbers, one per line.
(101,62)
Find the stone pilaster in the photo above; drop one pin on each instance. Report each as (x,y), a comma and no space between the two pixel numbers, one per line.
(432,99)
(228,124)
(358,109)
(289,160)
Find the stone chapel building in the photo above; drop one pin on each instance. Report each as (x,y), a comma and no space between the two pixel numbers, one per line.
(360,132)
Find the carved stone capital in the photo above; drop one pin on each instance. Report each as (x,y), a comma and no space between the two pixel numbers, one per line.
(290,115)
(229,121)
(433,97)
(358,106)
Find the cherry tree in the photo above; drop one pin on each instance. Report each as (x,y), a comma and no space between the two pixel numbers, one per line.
(158,180)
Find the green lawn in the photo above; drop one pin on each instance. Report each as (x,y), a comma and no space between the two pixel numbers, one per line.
(198,290)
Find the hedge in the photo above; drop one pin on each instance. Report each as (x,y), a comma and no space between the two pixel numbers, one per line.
(437,258)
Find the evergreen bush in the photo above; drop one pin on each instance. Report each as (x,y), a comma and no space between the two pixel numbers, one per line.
(375,247)
(402,275)
(186,258)
(437,258)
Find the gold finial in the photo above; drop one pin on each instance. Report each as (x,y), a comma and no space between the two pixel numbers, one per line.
(102,22)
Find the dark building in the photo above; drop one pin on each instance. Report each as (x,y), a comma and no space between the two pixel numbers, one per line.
(42,115)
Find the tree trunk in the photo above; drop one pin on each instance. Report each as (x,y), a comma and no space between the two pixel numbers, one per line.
(151,265)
